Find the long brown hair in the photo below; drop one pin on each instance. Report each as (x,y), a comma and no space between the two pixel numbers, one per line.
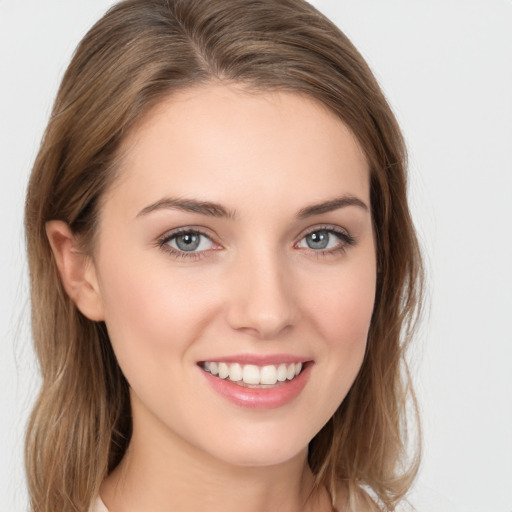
(139,53)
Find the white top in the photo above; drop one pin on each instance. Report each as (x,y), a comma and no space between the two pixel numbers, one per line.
(99,506)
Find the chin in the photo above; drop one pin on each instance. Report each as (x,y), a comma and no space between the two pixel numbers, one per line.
(261,449)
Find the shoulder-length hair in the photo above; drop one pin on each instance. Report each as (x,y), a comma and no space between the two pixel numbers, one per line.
(139,53)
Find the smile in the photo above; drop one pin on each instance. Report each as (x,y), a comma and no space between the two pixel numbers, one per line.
(253,375)
(255,381)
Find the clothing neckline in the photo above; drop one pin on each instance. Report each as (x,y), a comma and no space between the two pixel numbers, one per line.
(99,506)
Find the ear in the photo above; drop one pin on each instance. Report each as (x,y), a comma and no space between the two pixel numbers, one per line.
(76,269)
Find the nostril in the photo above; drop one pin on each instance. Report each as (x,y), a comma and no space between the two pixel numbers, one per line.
(255,321)
(261,303)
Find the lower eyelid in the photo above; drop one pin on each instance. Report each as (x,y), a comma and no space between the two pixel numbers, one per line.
(344,237)
(345,240)
(211,240)
(202,236)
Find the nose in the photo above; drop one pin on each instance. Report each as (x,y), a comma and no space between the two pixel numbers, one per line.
(262,302)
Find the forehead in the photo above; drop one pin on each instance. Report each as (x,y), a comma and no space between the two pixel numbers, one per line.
(230,144)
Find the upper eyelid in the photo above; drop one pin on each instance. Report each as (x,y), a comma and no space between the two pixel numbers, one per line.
(344,236)
(187,229)
(168,235)
(163,244)
(324,227)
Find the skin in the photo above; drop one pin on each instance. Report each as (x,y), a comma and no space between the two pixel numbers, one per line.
(255,287)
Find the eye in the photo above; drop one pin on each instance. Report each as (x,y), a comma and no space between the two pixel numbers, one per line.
(189,241)
(326,239)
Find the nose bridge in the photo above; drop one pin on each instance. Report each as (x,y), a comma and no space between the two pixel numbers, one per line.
(262,300)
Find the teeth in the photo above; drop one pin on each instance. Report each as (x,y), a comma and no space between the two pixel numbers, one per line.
(282,372)
(235,372)
(214,368)
(268,374)
(252,374)
(223,370)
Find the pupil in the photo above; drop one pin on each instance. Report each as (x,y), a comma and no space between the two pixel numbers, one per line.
(188,241)
(317,240)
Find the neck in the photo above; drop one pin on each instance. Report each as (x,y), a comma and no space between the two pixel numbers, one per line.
(163,473)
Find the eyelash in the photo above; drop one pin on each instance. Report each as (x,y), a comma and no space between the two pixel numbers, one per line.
(346,240)
(164,240)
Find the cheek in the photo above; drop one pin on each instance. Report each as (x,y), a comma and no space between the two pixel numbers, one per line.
(150,312)
(342,315)
(344,309)
(339,312)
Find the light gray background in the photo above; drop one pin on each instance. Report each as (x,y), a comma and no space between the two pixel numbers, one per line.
(445,66)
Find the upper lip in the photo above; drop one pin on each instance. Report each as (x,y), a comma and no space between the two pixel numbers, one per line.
(258,359)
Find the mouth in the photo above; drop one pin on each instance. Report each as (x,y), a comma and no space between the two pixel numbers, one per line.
(257,381)
(252,375)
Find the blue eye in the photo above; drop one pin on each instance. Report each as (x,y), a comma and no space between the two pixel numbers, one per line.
(188,241)
(319,240)
(325,240)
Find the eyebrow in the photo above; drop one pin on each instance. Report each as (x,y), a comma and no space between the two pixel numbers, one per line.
(331,205)
(189,205)
(212,209)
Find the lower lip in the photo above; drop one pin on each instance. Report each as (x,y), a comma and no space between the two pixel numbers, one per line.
(260,398)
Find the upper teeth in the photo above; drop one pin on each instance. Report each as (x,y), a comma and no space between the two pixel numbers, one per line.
(252,374)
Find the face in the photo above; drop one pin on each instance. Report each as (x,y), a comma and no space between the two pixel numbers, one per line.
(236,267)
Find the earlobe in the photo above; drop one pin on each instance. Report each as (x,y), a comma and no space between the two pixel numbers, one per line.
(76,269)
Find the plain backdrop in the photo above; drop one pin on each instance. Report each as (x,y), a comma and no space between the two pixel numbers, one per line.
(446,68)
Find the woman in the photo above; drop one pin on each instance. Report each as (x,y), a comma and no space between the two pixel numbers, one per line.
(223,267)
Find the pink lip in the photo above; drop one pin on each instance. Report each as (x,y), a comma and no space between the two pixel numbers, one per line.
(259,398)
(260,360)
